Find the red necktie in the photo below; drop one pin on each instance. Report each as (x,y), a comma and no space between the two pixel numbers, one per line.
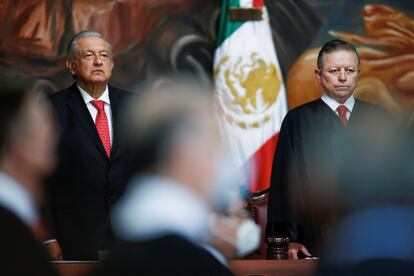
(342,114)
(102,126)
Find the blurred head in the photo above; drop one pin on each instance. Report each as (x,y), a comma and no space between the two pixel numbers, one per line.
(90,58)
(172,131)
(27,139)
(338,69)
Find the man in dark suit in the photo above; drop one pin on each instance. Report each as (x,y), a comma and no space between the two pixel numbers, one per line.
(315,140)
(27,147)
(90,175)
(162,219)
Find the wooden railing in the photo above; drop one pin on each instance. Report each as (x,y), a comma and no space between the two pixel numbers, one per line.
(238,267)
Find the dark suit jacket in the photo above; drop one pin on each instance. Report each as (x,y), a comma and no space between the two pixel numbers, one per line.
(86,183)
(314,157)
(21,253)
(168,255)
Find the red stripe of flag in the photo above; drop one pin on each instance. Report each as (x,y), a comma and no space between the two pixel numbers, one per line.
(263,160)
(258,3)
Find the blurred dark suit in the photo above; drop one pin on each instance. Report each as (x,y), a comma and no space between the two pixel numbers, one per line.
(168,255)
(373,241)
(21,253)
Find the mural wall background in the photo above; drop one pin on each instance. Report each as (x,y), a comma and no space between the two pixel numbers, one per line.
(153,38)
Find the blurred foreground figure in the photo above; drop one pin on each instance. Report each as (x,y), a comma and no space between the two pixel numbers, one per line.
(314,140)
(27,148)
(376,238)
(90,174)
(176,153)
(375,241)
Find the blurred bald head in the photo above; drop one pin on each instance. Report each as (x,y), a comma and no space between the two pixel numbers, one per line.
(173,131)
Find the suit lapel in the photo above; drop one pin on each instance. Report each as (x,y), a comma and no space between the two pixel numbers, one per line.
(114,98)
(77,106)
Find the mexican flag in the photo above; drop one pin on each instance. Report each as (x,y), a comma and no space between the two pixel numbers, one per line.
(249,88)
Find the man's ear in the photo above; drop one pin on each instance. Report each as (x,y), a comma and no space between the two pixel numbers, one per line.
(70,65)
(318,75)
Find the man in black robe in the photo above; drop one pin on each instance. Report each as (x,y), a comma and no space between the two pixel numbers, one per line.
(315,140)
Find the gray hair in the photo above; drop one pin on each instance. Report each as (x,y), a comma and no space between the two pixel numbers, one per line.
(86,33)
(333,46)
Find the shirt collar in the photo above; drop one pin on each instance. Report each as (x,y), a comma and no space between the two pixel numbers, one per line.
(87,98)
(155,206)
(17,200)
(333,104)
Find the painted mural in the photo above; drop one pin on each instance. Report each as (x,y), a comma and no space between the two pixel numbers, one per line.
(153,38)
(150,38)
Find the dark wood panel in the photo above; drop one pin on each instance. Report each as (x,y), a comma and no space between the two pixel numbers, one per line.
(273,267)
(239,267)
(74,268)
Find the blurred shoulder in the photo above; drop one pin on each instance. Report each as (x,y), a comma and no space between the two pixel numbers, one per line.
(367,106)
(142,258)
(372,110)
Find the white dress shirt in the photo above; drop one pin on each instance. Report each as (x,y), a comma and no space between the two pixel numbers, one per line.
(349,103)
(93,111)
(17,200)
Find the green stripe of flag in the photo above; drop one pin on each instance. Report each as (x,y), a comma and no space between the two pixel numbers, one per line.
(227,27)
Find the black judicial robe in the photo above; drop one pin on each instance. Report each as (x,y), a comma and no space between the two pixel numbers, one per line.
(311,153)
